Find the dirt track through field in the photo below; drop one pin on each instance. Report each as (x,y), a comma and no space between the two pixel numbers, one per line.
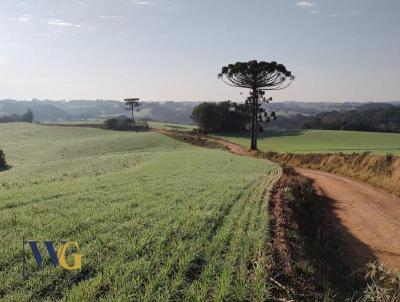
(366,219)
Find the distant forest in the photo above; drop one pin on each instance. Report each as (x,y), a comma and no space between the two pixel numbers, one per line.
(376,119)
(306,115)
(15,118)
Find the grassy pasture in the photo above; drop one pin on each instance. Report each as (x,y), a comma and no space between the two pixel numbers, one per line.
(321,141)
(171,126)
(156,219)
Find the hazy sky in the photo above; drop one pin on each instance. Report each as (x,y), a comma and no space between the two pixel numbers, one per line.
(173,49)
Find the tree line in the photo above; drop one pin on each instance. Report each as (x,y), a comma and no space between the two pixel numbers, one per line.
(26,117)
(224,116)
(376,120)
(229,116)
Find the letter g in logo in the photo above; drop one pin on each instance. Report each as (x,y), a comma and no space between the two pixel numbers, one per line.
(77,257)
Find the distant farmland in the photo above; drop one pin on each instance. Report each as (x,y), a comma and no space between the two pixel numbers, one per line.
(306,141)
(156,219)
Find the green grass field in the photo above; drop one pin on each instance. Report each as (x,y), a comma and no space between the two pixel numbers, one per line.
(156,219)
(306,141)
(170,126)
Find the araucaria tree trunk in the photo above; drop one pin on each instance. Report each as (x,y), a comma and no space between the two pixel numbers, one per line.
(254,100)
(258,77)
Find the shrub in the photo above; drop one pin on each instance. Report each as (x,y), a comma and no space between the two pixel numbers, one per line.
(3,162)
(123,123)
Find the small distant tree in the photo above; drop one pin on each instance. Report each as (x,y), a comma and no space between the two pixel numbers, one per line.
(28,116)
(132,105)
(258,77)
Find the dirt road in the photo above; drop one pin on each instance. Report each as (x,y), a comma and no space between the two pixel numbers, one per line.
(233,148)
(368,219)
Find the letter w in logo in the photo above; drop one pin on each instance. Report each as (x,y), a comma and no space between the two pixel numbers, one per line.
(50,250)
(57,257)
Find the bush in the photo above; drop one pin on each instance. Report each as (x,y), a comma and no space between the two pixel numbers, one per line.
(123,123)
(3,162)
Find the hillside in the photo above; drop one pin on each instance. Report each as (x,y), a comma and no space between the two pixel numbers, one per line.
(53,111)
(148,227)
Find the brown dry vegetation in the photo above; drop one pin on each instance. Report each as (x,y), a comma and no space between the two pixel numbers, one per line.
(382,171)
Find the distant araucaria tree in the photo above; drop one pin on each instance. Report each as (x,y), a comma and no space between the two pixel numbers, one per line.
(132,105)
(258,77)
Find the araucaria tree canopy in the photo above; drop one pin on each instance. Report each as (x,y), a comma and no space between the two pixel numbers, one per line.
(258,77)
(132,105)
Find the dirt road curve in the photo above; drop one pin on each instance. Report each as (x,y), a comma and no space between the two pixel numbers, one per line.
(369,218)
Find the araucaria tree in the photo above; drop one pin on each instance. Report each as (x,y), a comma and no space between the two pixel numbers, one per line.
(258,77)
(132,105)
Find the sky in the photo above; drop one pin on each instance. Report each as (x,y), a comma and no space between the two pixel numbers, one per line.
(339,50)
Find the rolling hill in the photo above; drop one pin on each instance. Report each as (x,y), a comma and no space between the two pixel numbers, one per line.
(156,219)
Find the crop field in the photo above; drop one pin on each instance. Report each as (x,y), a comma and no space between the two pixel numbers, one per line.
(321,141)
(156,219)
